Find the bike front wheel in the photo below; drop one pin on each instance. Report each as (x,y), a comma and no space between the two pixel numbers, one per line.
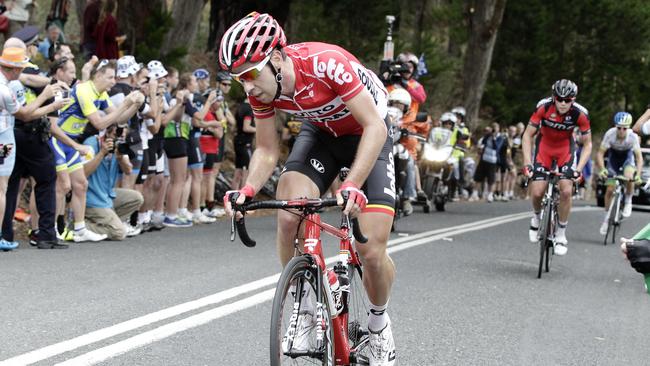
(297,337)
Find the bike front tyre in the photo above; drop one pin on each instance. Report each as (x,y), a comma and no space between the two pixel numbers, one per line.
(300,272)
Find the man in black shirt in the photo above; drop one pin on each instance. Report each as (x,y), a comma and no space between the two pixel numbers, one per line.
(243,142)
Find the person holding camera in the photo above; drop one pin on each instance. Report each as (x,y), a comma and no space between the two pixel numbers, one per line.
(33,130)
(107,208)
(87,99)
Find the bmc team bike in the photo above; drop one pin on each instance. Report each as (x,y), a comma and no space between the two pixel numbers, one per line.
(615,215)
(548,220)
(336,314)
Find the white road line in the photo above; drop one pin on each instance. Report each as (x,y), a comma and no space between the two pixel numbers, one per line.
(99,335)
(143,339)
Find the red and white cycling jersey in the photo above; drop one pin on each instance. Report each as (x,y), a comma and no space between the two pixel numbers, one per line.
(327,76)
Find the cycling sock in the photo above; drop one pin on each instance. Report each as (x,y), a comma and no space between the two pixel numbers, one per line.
(628,199)
(80,227)
(60,221)
(209,205)
(378,317)
(561,228)
(535,221)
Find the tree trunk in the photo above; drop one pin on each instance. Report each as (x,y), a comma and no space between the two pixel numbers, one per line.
(130,20)
(187,16)
(484,19)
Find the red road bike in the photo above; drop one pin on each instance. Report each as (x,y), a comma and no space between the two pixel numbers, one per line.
(338,325)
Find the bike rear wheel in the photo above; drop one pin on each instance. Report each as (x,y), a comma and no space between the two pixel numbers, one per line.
(287,308)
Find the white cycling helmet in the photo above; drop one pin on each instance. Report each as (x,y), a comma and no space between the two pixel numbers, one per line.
(401,96)
(127,66)
(405,57)
(156,69)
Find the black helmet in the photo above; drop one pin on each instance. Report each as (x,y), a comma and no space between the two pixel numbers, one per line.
(565,88)
(223,76)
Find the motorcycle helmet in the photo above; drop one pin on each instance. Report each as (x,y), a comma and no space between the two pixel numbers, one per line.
(449,118)
(400,96)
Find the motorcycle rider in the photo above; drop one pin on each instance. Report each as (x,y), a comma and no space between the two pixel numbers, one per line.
(399,101)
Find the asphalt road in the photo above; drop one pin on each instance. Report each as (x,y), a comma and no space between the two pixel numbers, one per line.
(465,296)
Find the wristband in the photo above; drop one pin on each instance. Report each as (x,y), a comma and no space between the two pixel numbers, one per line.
(248,191)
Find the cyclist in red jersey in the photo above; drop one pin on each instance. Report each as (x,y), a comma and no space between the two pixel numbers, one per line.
(553,123)
(344,105)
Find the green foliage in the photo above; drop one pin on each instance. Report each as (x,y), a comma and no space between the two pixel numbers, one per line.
(602,45)
(156,28)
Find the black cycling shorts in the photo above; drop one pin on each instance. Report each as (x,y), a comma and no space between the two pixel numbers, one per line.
(243,153)
(175,147)
(321,156)
(194,156)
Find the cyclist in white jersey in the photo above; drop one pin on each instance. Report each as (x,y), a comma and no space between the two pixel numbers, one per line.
(621,145)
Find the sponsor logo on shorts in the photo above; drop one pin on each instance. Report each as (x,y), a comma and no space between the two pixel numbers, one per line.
(317,165)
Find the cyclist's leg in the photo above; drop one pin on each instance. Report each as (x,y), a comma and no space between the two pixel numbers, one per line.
(566,195)
(292,184)
(308,172)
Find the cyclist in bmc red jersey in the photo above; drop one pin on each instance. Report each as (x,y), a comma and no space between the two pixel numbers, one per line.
(344,105)
(553,123)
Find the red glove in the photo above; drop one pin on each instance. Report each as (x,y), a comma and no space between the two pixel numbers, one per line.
(246,190)
(355,194)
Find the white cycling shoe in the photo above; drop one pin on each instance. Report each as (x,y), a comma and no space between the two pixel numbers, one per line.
(304,327)
(603,228)
(532,231)
(627,209)
(561,243)
(382,347)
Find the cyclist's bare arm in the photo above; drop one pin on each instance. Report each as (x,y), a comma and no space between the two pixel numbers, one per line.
(600,158)
(639,161)
(373,138)
(639,122)
(586,151)
(527,143)
(266,153)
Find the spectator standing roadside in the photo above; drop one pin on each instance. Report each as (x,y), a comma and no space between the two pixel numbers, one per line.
(90,20)
(487,165)
(243,143)
(47,45)
(12,62)
(106,33)
(58,15)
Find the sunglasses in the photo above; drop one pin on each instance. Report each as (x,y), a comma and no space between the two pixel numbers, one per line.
(564,100)
(226,84)
(622,128)
(101,64)
(251,73)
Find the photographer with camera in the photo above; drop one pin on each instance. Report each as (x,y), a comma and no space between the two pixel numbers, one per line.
(33,130)
(107,208)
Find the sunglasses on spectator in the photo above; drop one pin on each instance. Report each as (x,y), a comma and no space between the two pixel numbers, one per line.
(58,64)
(252,72)
(564,100)
(101,64)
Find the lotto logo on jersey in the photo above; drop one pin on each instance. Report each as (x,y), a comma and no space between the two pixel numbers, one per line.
(333,70)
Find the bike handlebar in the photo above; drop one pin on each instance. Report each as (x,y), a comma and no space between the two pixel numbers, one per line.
(239,226)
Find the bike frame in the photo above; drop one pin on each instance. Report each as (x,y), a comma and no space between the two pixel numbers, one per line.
(313,247)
